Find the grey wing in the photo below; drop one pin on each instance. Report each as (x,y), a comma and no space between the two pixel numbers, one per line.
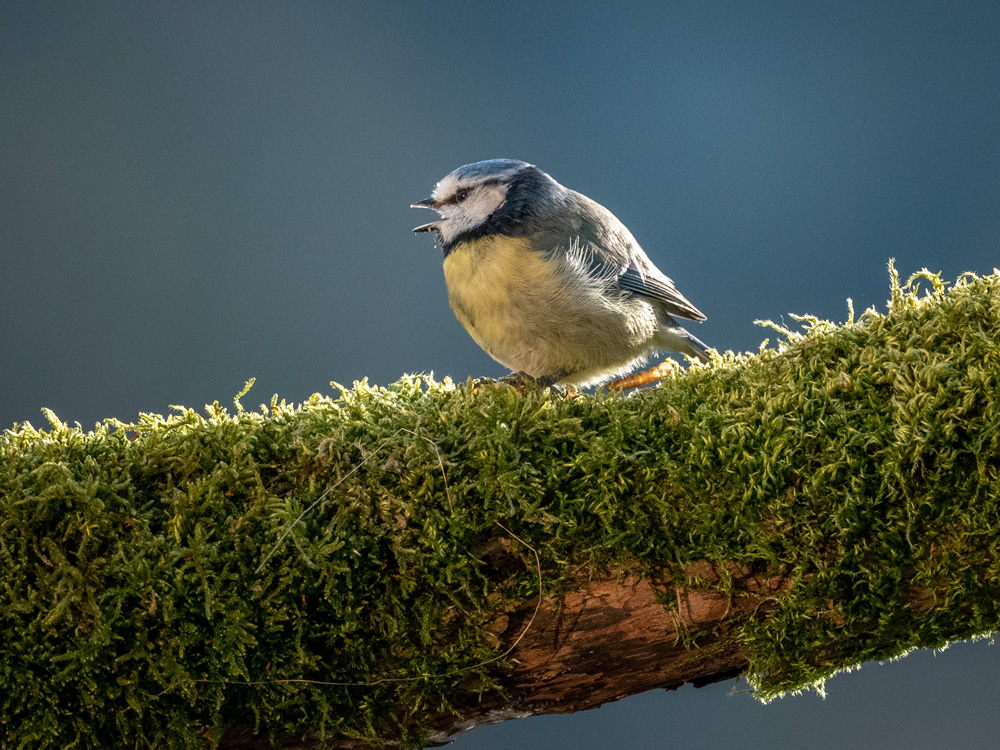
(616,250)
(659,288)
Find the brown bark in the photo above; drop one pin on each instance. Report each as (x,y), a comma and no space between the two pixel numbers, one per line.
(610,638)
(606,639)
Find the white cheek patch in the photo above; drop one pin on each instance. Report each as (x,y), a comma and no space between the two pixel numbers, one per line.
(484,201)
(458,218)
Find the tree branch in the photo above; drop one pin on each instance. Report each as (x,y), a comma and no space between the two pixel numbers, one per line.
(401,564)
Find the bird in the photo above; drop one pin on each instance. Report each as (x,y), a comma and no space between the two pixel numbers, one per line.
(549,282)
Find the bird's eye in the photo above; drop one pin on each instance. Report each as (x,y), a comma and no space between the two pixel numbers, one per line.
(461,195)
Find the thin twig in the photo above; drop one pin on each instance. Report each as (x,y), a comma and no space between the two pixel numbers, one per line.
(447,491)
(383,680)
(335,485)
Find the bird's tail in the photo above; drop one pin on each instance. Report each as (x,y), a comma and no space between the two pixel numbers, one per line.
(698,348)
(677,339)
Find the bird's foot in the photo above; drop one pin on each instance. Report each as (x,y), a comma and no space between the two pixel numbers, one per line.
(549,381)
(652,375)
(516,380)
(521,382)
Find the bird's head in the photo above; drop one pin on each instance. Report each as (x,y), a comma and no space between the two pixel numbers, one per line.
(497,196)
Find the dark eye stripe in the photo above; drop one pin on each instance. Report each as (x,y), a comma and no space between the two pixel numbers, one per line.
(460,195)
(456,197)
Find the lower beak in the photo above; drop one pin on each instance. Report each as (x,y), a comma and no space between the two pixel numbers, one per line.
(426,203)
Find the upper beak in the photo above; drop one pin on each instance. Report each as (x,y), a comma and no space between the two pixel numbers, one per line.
(425,203)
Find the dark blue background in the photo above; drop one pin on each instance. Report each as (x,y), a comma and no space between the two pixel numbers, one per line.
(192,194)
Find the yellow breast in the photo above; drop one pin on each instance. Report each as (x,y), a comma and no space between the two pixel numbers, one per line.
(489,291)
(543,313)
(482,274)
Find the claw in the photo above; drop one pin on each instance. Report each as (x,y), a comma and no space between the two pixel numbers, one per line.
(513,381)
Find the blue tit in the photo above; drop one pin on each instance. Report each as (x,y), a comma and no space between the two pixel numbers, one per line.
(550,283)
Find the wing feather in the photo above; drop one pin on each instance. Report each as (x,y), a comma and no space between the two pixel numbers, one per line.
(661,289)
(613,251)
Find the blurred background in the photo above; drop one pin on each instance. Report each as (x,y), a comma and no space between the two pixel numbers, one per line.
(193,194)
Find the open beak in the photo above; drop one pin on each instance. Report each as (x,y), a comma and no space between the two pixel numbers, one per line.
(426,203)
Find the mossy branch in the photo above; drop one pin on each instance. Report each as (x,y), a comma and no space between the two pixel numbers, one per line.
(354,567)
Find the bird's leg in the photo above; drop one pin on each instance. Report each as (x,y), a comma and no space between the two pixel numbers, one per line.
(660,371)
(547,381)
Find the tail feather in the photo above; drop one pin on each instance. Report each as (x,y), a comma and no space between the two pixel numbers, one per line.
(697,347)
(677,339)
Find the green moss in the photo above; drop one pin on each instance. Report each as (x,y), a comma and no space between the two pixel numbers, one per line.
(167,580)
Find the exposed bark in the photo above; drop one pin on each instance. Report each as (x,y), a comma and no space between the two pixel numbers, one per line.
(605,639)
(612,638)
